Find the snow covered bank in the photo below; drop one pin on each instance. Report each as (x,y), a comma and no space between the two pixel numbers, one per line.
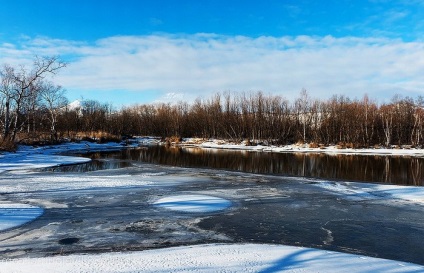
(213,258)
(14,215)
(304,148)
(28,157)
(193,203)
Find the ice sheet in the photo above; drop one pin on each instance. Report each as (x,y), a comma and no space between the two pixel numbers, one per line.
(13,215)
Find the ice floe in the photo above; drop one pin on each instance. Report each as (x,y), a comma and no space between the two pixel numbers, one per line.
(193,203)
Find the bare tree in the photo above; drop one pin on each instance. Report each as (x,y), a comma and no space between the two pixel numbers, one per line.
(54,100)
(386,114)
(20,85)
(368,117)
(7,92)
(303,112)
(417,129)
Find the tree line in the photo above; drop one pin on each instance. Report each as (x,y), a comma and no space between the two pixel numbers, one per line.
(272,119)
(33,108)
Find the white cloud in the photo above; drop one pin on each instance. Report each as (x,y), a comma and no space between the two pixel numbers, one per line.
(203,64)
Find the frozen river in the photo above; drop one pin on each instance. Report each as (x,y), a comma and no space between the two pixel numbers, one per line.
(118,207)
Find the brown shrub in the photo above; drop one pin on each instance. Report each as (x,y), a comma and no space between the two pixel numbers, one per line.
(106,139)
(173,140)
(341,145)
(346,145)
(349,145)
(313,145)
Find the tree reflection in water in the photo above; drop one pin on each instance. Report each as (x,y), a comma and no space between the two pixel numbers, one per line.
(402,170)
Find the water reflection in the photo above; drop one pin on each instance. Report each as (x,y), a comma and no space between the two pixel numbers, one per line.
(386,169)
(400,170)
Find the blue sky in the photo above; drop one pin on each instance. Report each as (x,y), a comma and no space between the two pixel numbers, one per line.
(127,52)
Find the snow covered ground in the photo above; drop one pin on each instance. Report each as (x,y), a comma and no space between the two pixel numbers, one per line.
(213,258)
(302,148)
(199,258)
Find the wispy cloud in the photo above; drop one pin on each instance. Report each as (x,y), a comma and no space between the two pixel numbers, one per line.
(202,64)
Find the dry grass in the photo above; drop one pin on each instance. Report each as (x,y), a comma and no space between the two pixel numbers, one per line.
(247,142)
(40,139)
(8,145)
(346,145)
(98,136)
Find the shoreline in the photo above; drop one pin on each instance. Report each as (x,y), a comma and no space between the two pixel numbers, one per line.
(298,148)
(29,157)
(221,144)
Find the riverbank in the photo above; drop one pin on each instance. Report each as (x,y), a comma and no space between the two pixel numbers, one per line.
(298,148)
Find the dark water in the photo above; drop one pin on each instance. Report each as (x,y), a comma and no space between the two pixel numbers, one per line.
(401,170)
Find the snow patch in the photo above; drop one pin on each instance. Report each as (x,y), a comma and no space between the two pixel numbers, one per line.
(367,191)
(193,203)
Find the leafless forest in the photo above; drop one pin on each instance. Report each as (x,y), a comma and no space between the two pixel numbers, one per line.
(34,109)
